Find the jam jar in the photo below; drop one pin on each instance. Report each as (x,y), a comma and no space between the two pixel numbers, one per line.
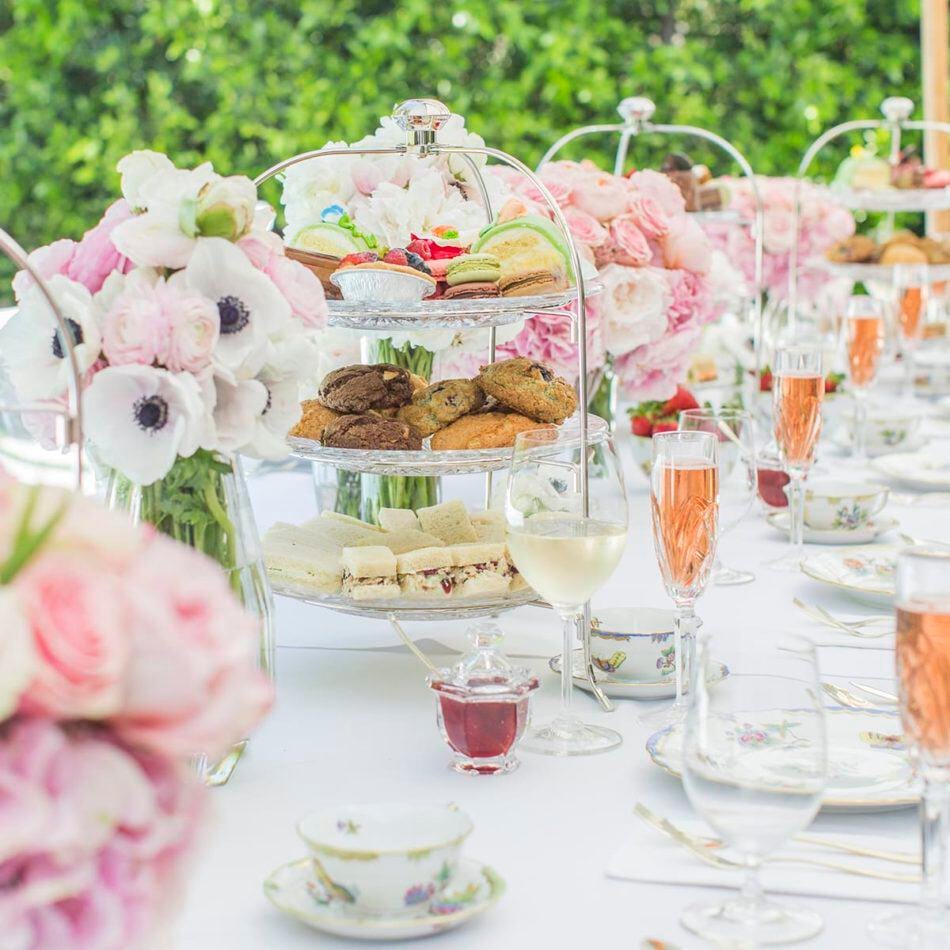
(482,704)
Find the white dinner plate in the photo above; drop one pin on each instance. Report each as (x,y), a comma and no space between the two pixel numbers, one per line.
(842,439)
(865,573)
(869,770)
(921,471)
(863,535)
(620,689)
(295,891)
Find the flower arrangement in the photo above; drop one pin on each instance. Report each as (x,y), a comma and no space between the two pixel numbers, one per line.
(122,653)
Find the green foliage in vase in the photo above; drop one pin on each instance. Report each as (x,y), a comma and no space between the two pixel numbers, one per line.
(247,82)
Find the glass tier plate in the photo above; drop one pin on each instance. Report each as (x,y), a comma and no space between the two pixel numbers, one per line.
(446,314)
(463,608)
(880,273)
(424,461)
(894,199)
(722,216)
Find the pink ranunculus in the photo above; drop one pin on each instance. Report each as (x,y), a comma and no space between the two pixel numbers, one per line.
(135,328)
(193,325)
(635,302)
(260,247)
(96,256)
(585,228)
(658,188)
(191,684)
(654,370)
(80,635)
(600,194)
(48,261)
(630,241)
(302,290)
(686,246)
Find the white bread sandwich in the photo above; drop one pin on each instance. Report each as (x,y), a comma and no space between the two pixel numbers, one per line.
(480,570)
(347,519)
(369,573)
(302,566)
(397,519)
(448,521)
(338,532)
(427,573)
(489,526)
(400,542)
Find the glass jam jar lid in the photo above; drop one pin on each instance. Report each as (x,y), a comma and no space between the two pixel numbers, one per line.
(485,672)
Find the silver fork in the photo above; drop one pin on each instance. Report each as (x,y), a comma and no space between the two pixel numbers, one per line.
(854,627)
(846,698)
(701,848)
(881,694)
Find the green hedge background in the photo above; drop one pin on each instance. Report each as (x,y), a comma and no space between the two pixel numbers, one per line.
(245,82)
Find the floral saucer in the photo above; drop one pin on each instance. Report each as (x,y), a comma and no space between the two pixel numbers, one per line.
(863,535)
(911,443)
(868,766)
(627,689)
(294,890)
(865,573)
(920,471)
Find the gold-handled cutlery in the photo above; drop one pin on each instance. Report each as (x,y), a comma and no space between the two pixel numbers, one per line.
(883,695)
(846,698)
(857,628)
(704,848)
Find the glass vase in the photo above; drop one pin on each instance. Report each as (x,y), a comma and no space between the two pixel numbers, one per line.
(603,399)
(203,502)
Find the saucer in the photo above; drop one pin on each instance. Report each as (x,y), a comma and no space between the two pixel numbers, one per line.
(863,535)
(842,440)
(294,890)
(617,689)
(866,574)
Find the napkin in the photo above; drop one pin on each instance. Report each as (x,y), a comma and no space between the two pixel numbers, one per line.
(649,855)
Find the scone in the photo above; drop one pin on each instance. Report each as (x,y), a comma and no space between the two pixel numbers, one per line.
(853,250)
(371,432)
(903,253)
(437,405)
(529,388)
(486,430)
(315,418)
(360,388)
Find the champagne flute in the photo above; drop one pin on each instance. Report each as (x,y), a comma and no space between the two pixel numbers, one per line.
(797,390)
(685,503)
(911,293)
(923,671)
(735,430)
(864,343)
(755,766)
(566,553)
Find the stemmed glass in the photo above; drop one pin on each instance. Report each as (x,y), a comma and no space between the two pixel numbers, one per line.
(911,292)
(685,503)
(566,553)
(923,671)
(864,342)
(797,390)
(755,764)
(735,430)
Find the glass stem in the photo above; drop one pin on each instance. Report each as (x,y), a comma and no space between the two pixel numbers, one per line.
(684,624)
(567,666)
(750,890)
(796,509)
(935,840)
(908,371)
(860,451)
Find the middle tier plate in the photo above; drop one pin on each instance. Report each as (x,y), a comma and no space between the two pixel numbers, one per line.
(423,461)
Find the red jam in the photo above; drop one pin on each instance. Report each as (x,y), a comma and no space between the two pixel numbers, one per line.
(483,729)
(771,483)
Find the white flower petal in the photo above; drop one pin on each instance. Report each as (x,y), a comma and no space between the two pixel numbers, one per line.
(154,238)
(136,168)
(238,408)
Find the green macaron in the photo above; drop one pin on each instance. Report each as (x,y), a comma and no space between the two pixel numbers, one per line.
(473,268)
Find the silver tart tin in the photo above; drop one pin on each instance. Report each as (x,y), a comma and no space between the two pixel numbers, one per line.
(367,284)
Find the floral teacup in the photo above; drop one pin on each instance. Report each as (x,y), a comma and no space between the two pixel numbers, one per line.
(633,644)
(886,430)
(385,860)
(844,506)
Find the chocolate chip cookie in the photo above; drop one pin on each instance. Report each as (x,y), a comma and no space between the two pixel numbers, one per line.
(371,432)
(484,430)
(314,418)
(442,403)
(530,388)
(360,388)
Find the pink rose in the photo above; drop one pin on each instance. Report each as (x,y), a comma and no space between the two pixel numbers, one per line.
(48,262)
(652,220)
(302,290)
(600,194)
(630,241)
(654,370)
(659,189)
(635,302)
(135,327)
(194,326)
(96,256)
(691,302)
(686,246)
(585,228)
(779,233)
(558,178)
(80,635)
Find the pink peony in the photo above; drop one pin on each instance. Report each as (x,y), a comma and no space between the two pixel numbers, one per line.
(653,371)
(691,300)
(585,228)
(686,246)
(659,190)
(96,256)
(47,261)
(600,194)
(302,290)
(630,241)
(193,325)
(135,328)
(635,302)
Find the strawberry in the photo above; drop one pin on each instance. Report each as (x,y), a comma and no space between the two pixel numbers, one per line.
(765,380)
(833,381)
(396,255)
(665,425)
(360,257)
(682,399)
(641,425)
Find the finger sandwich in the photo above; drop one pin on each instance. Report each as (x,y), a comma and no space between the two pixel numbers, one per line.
(369,573)
(427,573)
(480,570)
(302,565)
(448,521)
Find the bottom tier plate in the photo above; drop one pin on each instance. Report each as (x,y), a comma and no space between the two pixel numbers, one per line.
(450,609)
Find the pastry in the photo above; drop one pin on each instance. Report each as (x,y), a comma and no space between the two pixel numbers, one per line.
(441,403)
(315,418)
(371,432)
(360,388)
(856,249)
(369,573)
(469,291)
(531,283)
(679,169)
(903,252)
(530,388)
(524,244)
(473,268)
(488,430)
(448,521)
(417,382)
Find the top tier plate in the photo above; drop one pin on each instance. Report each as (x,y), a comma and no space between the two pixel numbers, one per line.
(894,199)
(881,273)
(445,314)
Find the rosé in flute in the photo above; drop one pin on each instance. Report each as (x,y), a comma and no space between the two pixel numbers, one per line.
(865,345)
(797,411)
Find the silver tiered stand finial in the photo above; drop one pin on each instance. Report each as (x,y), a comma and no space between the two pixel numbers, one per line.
(897,111)
(72,415)
(422,119)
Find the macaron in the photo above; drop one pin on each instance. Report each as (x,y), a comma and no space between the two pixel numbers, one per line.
(531,283)
(472,290)
(473,268)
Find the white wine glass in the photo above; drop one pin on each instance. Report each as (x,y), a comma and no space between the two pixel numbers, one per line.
(685,507)
(863,333)
(566,553)
(923,671)
(735,430)
(755,766)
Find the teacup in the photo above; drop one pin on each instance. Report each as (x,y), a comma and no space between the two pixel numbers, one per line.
(886,429)
(842,505)
(633,644)
(385,860)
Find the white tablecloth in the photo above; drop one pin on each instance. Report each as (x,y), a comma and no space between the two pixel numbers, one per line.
(356,724)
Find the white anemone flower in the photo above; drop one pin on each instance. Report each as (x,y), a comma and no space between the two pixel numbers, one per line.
(238,406)
(31,344)
(141,418)
(250,306)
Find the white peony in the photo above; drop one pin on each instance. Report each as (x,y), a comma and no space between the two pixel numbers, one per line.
(635,302)
(17,652)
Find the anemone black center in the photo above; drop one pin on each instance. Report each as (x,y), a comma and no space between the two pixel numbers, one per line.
(75,331)
(267,404)
(151,413)
(234,314)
